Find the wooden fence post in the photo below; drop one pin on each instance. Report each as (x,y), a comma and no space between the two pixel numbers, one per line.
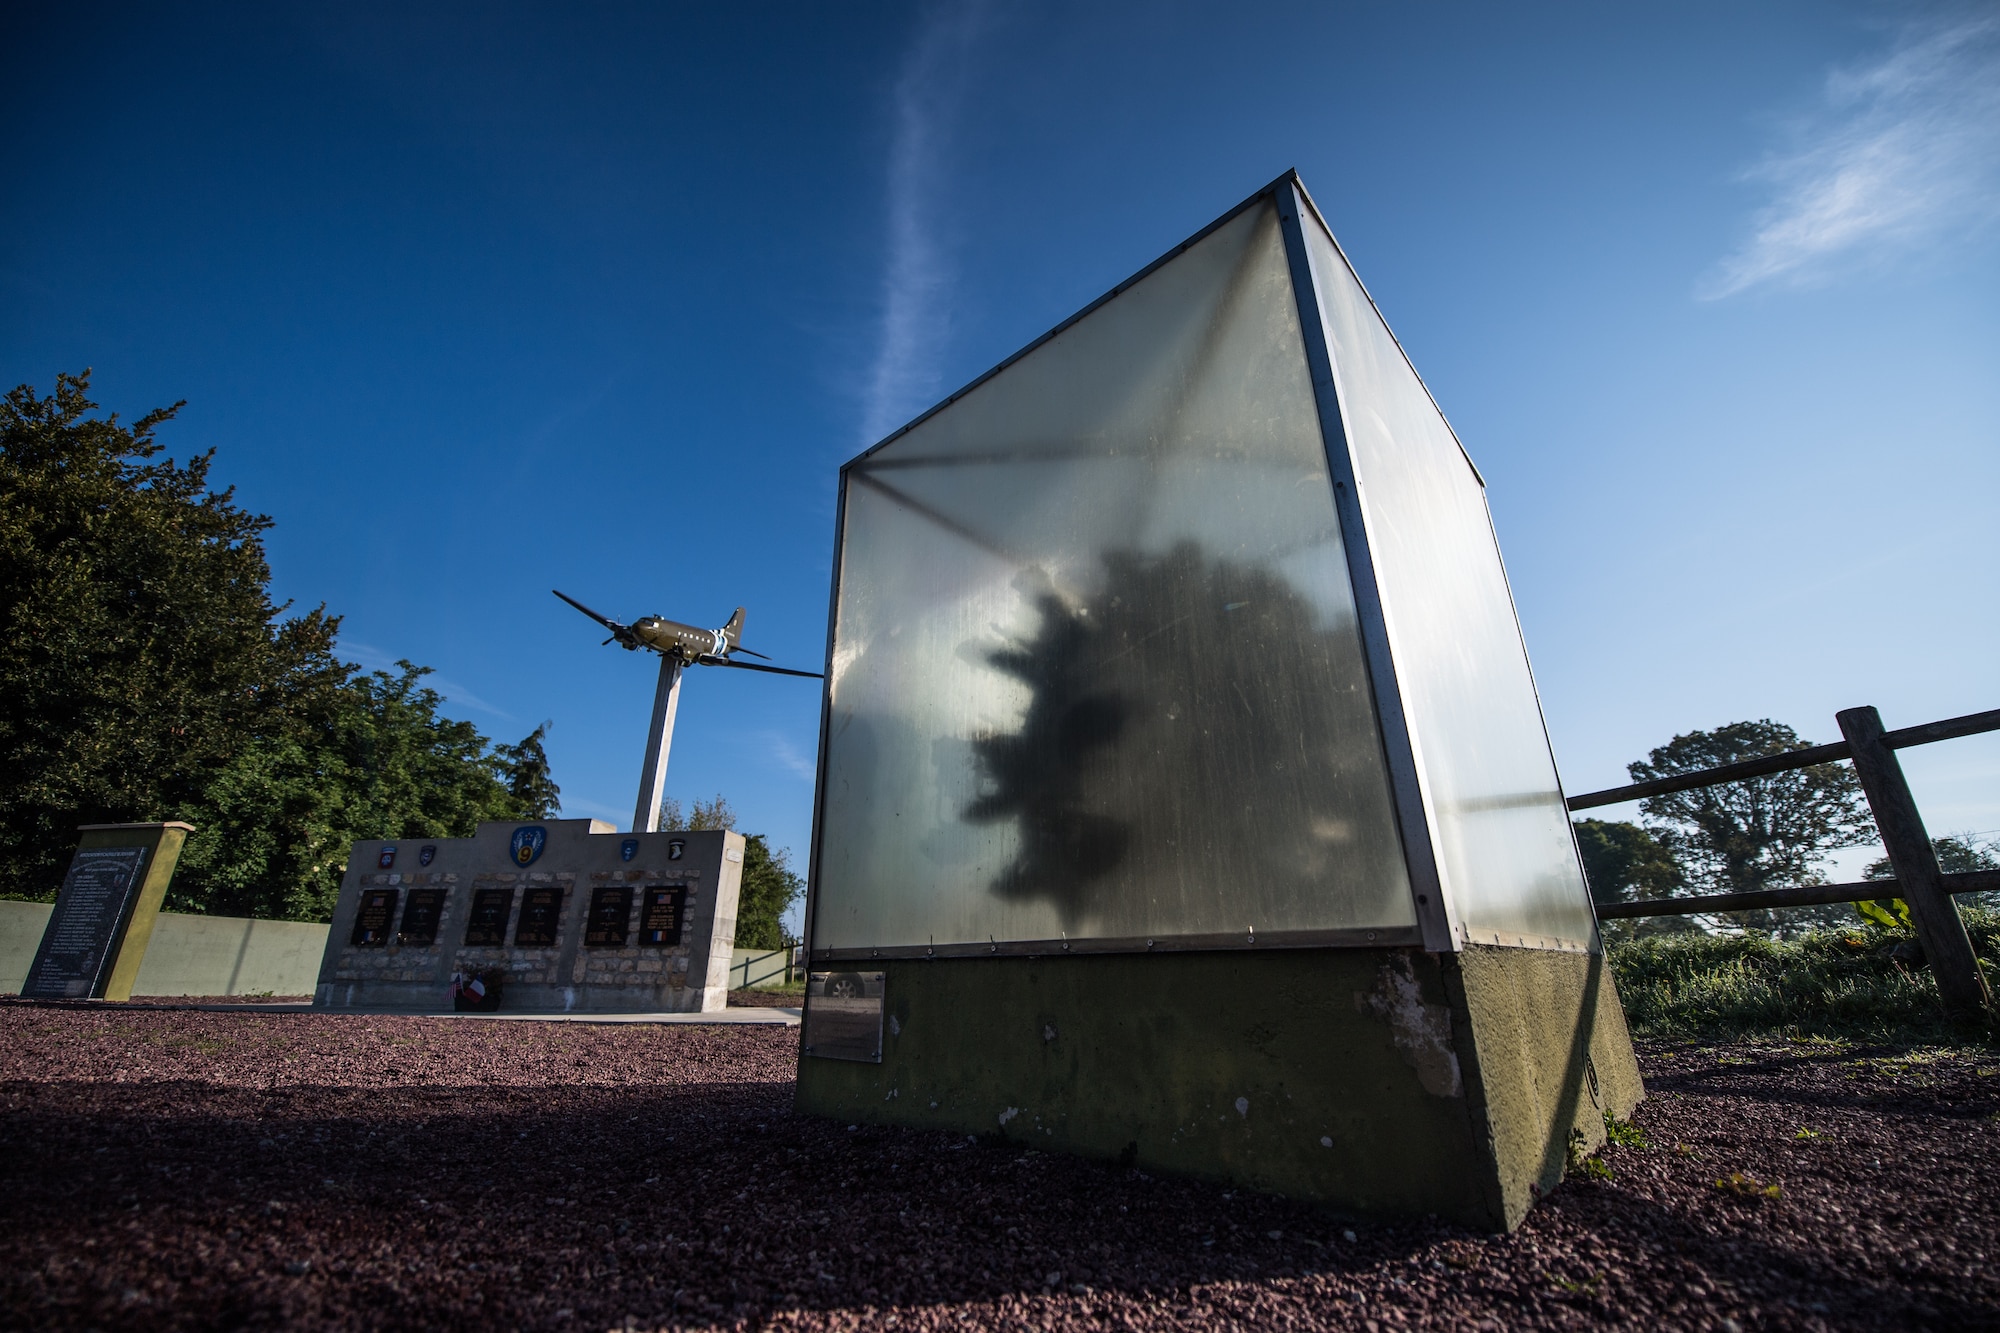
(1939,926)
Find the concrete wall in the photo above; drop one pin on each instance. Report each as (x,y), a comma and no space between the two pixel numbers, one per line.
(570,975)
(189,955)
(1387,1081)
(756,967)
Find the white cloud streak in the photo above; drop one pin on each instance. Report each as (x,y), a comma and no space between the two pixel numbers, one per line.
(1899,153)
(370,658)
(788,756)
(915,315)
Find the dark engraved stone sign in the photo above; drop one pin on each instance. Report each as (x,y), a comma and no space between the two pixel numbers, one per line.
(488,923)
(661,913)
(420,918)
(541,913)
(610,914)
(89,919)
(377,914)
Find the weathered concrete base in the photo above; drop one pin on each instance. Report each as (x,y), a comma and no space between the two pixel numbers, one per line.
(1378,1080)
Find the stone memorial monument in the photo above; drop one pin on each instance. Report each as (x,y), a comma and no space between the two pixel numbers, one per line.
(103,918)
(552,916)
(1184,794)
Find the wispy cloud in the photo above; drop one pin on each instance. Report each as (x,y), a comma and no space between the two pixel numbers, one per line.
(788,755)
(371,658)
(915,315)
(1900,151)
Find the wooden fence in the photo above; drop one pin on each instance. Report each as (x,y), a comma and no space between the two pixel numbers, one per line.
(1918,880)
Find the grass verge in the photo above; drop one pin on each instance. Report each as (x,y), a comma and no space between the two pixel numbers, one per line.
(1833,983)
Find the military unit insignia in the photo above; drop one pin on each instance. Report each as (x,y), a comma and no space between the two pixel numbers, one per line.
(427,853)
(628,849)
(387,859)
(528,843)
(676,848)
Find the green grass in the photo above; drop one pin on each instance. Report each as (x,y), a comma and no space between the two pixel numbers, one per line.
(1833,983)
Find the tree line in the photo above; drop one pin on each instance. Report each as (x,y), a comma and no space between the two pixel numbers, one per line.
(146,674)
(1770,832)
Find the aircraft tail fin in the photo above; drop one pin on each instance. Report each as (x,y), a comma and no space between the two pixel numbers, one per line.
(733,631)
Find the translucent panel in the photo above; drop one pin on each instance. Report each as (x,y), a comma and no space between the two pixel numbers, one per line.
(1496,810)
(1095,671)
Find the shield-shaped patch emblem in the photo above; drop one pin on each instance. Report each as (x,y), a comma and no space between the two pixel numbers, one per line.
(676,848)
(528,843)
(427,854)
(387,859)
(628,849)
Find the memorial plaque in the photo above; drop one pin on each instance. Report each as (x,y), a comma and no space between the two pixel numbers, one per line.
(661,913)
(420,918)
(487,925)
(844,1016)
(372,921)
(610,917)
(541,914)
(89,919)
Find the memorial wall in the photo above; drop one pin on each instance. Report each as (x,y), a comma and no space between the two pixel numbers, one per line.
(550,916)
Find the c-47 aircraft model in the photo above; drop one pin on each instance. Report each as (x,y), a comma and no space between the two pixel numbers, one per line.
(693,645)
(678,646)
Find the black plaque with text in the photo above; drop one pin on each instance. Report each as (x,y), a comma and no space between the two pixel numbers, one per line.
(610,917)
(541,913)
(488,923)
(84,930)
(661,913)
(420,918)
(377,914)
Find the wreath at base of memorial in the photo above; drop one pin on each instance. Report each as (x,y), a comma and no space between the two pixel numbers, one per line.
(476,992)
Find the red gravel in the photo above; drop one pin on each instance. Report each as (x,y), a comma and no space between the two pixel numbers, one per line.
(185,1169)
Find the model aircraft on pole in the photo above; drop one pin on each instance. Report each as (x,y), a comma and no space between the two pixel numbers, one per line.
(679,646)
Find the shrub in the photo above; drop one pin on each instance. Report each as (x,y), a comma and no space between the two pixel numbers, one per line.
(1844,982)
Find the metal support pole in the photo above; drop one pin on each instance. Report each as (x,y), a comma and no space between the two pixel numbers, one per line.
(659,740)
(1939,926)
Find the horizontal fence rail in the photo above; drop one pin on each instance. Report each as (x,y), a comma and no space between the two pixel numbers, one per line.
(1804,895)
(1972,724)
(1918,879)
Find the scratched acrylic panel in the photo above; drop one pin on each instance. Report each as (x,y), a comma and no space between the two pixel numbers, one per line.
(1096,672)
(1501,828)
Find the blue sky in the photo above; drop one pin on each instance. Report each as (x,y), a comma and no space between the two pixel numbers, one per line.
(478,301)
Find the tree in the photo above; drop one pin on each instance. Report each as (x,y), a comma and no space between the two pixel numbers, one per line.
(1623,862)
(145,674)
(1758,833)
(530,785)
(140,653)
(273,831)
(710,814)
(770,887)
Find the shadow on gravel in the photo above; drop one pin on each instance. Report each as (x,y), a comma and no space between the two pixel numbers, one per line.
(175,1204)
(595,1178)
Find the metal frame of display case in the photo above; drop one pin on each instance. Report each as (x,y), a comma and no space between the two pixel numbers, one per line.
(1438,928)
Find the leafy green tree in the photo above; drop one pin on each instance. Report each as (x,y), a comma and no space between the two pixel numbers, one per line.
(145,674)
(1759,833)
(273,832)
(140,653)
(711,814)
(1623,862)
(770,887)
(531,787)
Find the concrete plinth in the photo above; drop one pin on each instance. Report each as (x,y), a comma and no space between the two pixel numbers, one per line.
(1386,1081)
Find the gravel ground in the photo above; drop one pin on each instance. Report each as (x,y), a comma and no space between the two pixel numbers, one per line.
(184,1169)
